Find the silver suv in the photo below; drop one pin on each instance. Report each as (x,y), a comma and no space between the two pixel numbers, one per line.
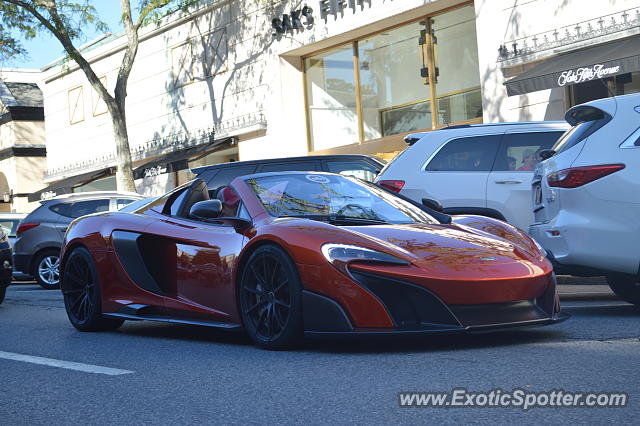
(477,169)
(39,236)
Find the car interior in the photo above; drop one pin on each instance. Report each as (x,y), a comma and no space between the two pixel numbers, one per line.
(198,192)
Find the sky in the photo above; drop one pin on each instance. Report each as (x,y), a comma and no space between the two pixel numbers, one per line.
(45,48)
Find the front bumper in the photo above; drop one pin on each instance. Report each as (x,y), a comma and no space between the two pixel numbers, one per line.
(427,331)
(416,310)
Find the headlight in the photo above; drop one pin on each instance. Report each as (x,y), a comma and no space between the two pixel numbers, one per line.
(542,250)
(348,253)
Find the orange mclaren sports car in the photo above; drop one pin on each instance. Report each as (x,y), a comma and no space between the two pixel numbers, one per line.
(283,255)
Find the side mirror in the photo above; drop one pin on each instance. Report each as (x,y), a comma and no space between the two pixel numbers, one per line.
(433,204)
(546,153)
(206,210)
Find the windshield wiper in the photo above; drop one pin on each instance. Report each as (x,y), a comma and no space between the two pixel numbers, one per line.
(333,219)
(355,219)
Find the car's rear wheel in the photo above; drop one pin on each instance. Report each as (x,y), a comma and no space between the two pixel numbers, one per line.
(47,269)
(270,299)
(81,291)
(625,287)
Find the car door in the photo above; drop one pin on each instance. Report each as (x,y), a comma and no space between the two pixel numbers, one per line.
(509,183)
(456,175)
(197,261)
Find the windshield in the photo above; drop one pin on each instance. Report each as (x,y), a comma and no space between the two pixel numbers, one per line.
(131,207)
(333,197)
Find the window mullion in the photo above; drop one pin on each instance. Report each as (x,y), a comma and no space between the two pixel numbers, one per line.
(359,110)
(429,45)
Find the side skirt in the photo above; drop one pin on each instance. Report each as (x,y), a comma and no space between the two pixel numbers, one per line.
(137,312)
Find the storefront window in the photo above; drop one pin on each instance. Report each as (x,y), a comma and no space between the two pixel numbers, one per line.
(456,60)
(331,97)
(107,183)
(381,86)
(623,84)
(395,98)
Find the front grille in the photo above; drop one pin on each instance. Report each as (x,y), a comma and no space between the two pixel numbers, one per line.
(409,305)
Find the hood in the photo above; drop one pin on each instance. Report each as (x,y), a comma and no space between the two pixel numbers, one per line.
(445,244)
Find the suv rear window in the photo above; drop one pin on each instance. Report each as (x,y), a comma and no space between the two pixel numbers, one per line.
(225,176)
(358,169)
(289,166)
(82,208)
(468,154)
(590,120)
(61,209)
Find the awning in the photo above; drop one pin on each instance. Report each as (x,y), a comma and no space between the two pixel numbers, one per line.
(583,65)
(179,160)
(65,186)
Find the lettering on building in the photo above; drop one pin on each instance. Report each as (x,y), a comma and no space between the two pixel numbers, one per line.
(580,75)
(339,7)
(155,171)
(293,21)
(47,195)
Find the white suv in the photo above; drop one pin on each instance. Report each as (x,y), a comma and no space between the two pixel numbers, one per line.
(586,195)
(483,169)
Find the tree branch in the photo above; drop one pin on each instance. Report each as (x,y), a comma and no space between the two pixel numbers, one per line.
(60,32)
(150,7)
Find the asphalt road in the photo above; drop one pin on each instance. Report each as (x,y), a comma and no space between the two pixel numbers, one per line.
(187,374)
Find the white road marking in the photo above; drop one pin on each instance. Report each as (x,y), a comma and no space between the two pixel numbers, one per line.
(78,366)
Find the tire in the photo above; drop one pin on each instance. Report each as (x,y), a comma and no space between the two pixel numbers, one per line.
(625,287)
(81,291)
(3,292)
(46,269)
(270,299)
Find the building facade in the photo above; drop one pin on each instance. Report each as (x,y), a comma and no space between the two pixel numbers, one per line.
(243,80)
(22,139)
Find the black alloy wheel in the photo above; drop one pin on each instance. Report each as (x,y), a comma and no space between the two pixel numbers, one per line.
(81,292)
(270,299)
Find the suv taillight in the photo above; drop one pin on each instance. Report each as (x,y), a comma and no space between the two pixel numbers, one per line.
(392,185)
(25,226)
(578,176)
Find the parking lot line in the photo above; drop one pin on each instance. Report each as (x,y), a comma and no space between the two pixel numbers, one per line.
(78,366)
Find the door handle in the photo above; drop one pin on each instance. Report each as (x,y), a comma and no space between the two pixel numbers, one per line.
(508,182)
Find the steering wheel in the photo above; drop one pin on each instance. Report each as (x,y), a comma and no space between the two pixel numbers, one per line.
(353,208)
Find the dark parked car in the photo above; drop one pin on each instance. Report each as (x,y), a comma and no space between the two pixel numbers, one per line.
(9,223)
(361,166)
(6,264)
(39,237)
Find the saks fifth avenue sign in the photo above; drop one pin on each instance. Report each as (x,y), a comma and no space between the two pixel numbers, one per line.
(581,75)
(337,8)
(155,171)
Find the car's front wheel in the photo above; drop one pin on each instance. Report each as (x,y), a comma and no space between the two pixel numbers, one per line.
(47,269)
(81,291)
(270,299)
(625,287)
